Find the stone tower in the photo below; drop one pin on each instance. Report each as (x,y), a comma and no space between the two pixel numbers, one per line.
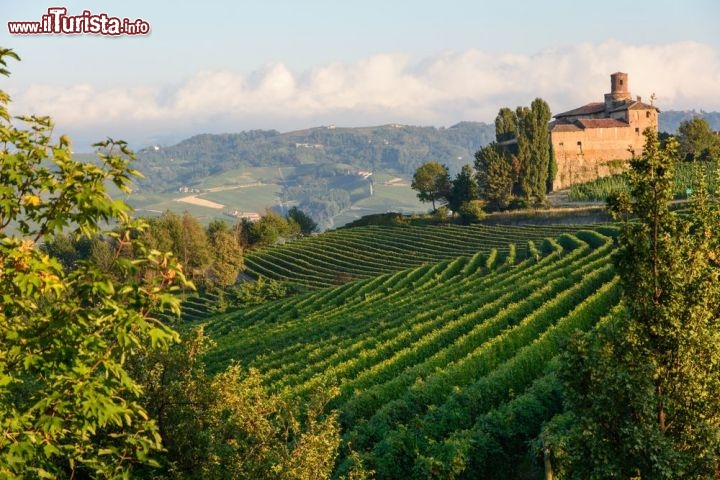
(618,91)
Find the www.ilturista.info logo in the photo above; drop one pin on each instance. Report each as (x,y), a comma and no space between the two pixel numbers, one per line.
(57,22)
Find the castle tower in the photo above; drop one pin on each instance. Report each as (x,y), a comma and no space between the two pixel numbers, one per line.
(618,91)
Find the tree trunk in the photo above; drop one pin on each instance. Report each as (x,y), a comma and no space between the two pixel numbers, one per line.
(548,464)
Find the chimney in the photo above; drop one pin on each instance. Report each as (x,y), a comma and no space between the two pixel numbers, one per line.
(639,99)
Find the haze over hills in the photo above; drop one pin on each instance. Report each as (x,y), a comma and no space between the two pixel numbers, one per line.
(335,174)
(326,171)
(397,148)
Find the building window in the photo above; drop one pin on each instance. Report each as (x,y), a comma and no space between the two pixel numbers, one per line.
(637,131)
(561,144)
(579,143)
(647,114)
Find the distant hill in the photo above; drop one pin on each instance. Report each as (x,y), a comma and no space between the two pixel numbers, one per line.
(334,174)
(669,120)
(393,148)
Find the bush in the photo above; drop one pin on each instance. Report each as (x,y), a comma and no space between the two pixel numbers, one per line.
(472,211)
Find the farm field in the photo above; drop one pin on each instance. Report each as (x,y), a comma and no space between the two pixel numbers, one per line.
(443,367)
(255,189)
(685,181)
(363,252)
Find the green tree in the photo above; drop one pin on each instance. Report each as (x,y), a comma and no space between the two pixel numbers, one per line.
(432,182)
(227,258)
(463,189)
(524,138)
(68,406)
(307,225)
(184,237)
(643,389)
(506,125)
(697,140)
(495,175)
(534,149)
(229,425)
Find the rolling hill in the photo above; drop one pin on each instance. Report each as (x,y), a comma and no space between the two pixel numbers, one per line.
(443,368)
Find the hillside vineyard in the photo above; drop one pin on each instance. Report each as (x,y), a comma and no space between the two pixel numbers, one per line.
(442,367)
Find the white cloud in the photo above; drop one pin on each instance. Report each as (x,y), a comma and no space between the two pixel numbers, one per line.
(438,90)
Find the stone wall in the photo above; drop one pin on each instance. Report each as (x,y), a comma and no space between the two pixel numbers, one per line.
(587,154)
(592,153)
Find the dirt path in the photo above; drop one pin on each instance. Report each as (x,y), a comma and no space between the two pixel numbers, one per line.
(201,202)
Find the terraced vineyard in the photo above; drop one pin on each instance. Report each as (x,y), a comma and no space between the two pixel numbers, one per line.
(364,252)
(442,368)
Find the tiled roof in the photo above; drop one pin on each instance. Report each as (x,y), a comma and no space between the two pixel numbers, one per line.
(643,106)
(632,105)
(600,123)
(589,109)
(563,126)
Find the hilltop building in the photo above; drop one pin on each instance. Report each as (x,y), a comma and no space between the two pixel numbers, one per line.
(596,140)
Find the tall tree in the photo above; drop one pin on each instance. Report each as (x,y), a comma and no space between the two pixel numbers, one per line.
(541,147)
(506,125)
(432,182)
(643,389)
(525,137)
(495,175)
(227,257)
(307,225)
(463,188)
(68,406)
(534,149)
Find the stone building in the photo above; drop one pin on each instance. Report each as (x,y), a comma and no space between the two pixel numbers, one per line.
(597,139)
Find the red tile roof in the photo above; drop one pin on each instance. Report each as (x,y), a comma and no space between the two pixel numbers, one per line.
(563,126)
(642,106)
(601,123)
(589,109)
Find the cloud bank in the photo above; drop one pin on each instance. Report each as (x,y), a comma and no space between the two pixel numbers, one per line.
(438,90)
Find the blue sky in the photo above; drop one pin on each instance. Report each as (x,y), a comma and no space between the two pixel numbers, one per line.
(223,66)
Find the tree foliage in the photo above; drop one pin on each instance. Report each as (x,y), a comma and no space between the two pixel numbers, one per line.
(68,406)
(463,189)
(643,389)
(229,425)
(698,141)
(185,237)
(521,163)
(495,175)
(533,149)
(432,182)
(227,257)
(307,225)
(506,125)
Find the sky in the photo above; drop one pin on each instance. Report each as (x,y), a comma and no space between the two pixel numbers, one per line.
(228,66)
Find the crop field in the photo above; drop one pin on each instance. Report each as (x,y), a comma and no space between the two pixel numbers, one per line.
(364,252)
(686,179)
(443,367)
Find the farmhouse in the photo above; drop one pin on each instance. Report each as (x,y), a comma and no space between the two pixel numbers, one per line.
(597,139)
